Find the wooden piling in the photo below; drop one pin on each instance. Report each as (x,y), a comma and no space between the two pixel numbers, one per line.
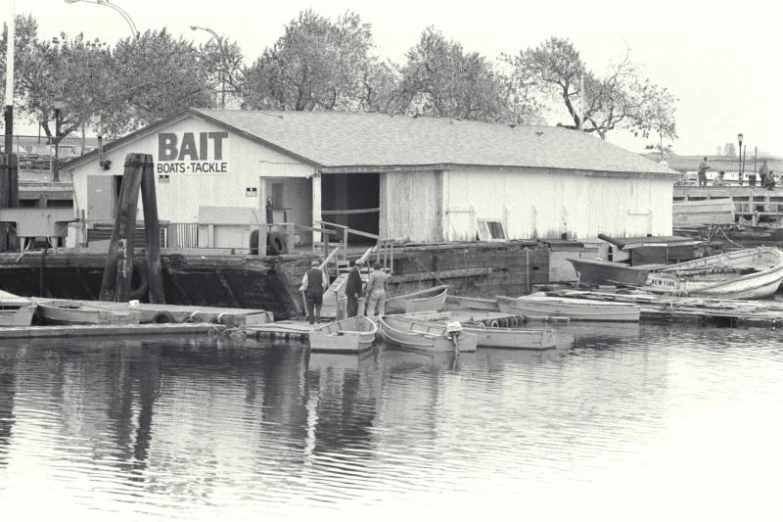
(151,229)
(9,196)
(115,285)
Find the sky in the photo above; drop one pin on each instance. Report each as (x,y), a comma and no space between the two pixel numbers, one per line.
(718,58)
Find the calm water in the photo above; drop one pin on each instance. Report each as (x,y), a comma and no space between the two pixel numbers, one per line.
(621,422)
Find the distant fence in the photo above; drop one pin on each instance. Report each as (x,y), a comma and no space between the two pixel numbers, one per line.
(36,153)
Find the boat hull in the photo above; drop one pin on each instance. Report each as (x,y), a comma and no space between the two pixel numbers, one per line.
(430,300)
(514,338)
(74,314)
(352,335)
(574,309)
(419,336)
(21,315)
(711,277)
(607,273)
(454,302)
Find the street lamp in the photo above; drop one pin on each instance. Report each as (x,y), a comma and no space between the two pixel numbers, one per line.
(224,66)
(58,105)
(739,167)
(117,8)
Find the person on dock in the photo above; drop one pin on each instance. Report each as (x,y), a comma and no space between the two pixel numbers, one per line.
(769,181)
(763,172)
(353,289)
(270,207)
(703,168)
(314,285)
(376,291)
(719,181)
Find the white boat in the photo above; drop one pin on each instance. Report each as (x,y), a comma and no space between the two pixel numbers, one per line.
(429,300)
(752,273)
(535,305)
(15,310)
(515,338)
(65,312)
(454,302)
(351,335)
(417,335)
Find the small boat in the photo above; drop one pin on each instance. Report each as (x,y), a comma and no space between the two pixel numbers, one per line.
(429,300)
(15,310)
(752,273)
(518,338)
(429,337)
(351,335)
(65,312)
(703,212)
(539,305)
(607,273)
(454,302)
(663,249)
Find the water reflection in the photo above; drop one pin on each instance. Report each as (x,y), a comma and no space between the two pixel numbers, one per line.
(189,429)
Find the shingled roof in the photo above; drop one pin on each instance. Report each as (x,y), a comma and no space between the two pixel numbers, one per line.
(368,140)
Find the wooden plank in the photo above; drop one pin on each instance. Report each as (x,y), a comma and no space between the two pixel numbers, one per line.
(36,332)
(443,274)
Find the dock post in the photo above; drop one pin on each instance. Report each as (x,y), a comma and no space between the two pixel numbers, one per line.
(149,201)
(9,196)
(124,228)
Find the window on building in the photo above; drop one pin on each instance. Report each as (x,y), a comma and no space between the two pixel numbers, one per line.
(489,230)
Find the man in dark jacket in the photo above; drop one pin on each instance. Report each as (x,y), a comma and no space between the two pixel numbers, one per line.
(353,289)
(314,284)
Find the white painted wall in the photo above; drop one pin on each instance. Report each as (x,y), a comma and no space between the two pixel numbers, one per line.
(431,206)
(179,199)
(546,204)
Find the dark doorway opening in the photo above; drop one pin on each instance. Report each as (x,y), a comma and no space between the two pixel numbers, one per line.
(352,200)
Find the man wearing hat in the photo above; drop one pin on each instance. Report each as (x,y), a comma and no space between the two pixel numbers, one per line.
(314,284)
(353,289)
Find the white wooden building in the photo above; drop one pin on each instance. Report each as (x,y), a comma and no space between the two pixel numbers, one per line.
(424,179)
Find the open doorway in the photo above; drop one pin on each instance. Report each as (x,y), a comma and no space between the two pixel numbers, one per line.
(352,200)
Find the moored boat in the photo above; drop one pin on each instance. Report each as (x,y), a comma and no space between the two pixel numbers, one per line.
(607,273)
(65,312)
(455,302)
(429,300)
(752,273)
(575,309)
(15,310)
(351,335)
(515,338)
(417,335)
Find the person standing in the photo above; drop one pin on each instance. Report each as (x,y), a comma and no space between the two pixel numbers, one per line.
(314,285)
(763,172)
(353,289)
(703,167)
(270,218)
(376,291)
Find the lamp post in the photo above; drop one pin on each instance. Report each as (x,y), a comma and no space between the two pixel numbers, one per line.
(740,136)
(224,65)
(58,105)
(117,8)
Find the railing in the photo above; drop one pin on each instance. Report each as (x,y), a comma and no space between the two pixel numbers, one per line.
(384,248)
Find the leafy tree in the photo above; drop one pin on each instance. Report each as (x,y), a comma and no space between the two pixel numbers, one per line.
(441,79)
(223,60)
(621,98)
(152,77)
(315,65)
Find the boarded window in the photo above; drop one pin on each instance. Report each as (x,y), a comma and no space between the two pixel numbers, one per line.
(491,230)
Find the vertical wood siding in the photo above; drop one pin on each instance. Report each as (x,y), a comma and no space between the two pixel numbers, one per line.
(410,204)
(547,204)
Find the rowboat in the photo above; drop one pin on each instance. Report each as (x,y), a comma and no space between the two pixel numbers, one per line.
(351,335)
(752,273)
(536,305)
(454,302)
(431,299)
(416,335)
(519,338)
(65,312)
(15,310)
(608,273)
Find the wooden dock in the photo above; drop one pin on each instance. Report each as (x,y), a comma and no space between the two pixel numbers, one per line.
(103,330)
